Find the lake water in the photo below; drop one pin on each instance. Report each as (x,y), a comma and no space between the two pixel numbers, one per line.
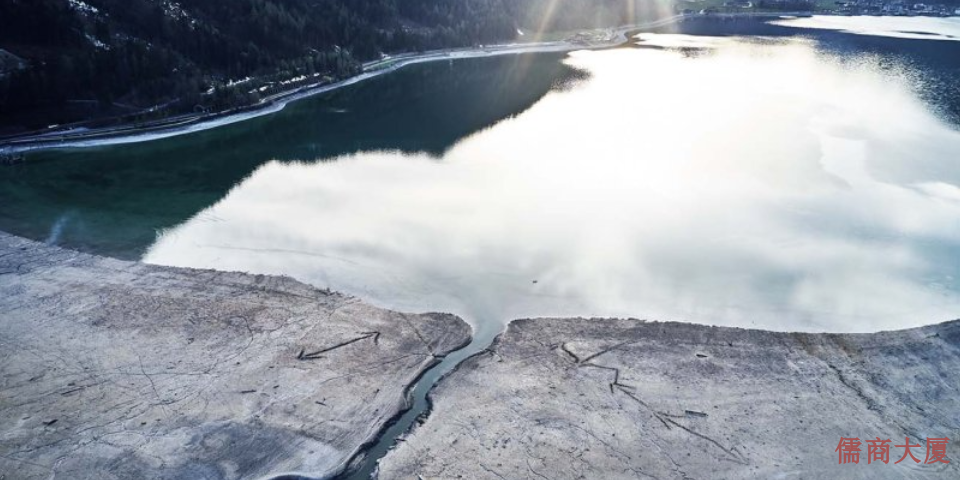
(797,176)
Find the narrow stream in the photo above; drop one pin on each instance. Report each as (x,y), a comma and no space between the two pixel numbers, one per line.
(482,339)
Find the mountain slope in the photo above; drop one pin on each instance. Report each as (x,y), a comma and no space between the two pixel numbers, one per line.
(101,58)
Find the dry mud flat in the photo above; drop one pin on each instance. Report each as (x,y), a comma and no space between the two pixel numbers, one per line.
(618,399)
(120,370)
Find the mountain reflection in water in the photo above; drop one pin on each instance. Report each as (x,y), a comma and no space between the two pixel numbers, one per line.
(112,200)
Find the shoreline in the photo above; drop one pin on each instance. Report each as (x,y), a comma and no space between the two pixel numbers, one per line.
(624,398)
(77,136)
(183,125)
(726,396)
(206,370)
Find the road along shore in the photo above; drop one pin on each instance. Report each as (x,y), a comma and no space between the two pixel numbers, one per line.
(185,124)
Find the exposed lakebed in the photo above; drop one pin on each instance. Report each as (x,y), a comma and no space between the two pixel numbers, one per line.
(733,173)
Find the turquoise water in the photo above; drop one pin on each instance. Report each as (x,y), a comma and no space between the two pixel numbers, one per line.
(114,200)
(799,180)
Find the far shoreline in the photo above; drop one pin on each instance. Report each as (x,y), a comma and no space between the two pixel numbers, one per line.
(16,146)
(13,148)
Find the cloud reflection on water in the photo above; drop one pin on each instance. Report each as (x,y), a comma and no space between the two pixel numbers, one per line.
(762,185)
(917,28)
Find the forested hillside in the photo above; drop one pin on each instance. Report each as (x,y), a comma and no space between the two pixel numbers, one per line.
(66,60)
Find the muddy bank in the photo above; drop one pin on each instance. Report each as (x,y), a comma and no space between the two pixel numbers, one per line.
(591,398)
(112,369)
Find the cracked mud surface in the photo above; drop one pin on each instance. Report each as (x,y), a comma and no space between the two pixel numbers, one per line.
(612,399)
(120,370)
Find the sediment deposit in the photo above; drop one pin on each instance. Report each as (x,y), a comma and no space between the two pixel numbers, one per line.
(121,370)
(618,399)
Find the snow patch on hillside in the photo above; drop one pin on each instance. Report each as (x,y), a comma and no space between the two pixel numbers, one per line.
(175,11)
(83,7)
